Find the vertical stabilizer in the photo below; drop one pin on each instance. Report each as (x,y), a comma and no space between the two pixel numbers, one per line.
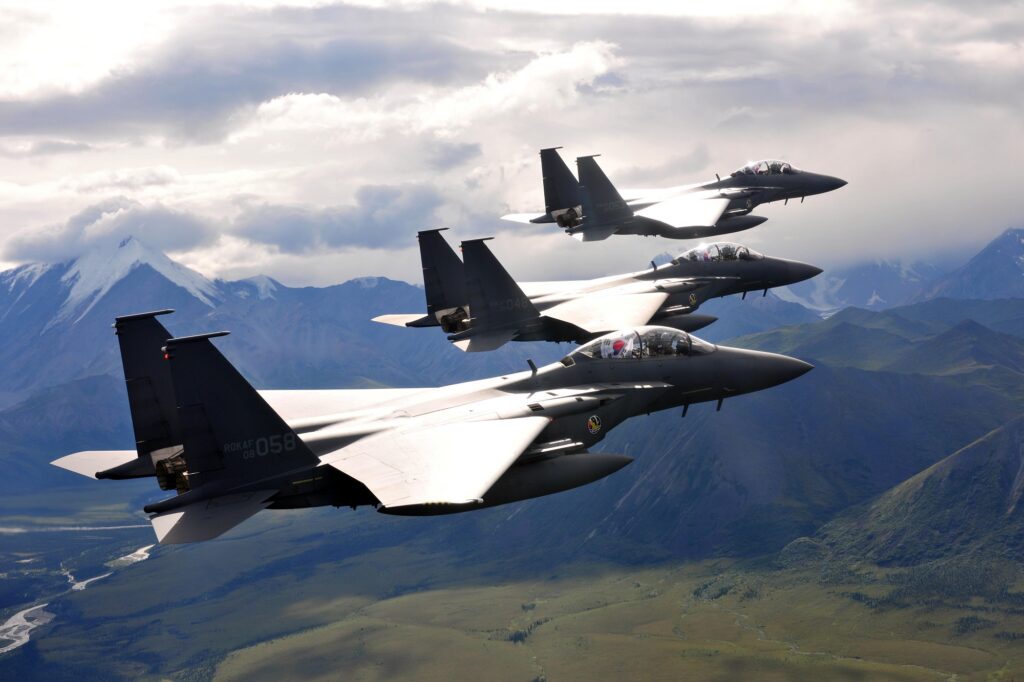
(150,393)
(495,300)
(561,191)
(231,435)
(443,272)
(604,210)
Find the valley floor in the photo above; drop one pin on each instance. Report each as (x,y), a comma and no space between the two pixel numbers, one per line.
(708,621)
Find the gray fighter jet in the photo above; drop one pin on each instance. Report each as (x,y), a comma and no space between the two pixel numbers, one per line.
(481,307)
(228,451)
(592,209)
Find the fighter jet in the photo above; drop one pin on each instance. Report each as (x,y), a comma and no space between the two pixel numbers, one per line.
(481,307)
(592,209)
(228,451)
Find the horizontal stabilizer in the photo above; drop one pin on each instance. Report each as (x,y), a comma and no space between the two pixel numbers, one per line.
(452,463)
(90,462)
(526,217)
(688,210)
(208,519)
(404,320)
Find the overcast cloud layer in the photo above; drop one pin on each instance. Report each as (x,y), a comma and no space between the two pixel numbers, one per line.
(310,143)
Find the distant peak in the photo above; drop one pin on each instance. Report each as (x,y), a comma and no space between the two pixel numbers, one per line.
(94,273)
(367,282)
(265,286)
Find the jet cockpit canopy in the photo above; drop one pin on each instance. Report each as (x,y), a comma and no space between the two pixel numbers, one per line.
(766,167)
(642,343)
(718,251)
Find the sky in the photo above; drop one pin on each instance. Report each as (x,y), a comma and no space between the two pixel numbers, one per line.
(309,141)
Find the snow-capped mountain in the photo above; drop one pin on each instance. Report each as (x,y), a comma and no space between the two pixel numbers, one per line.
(93,274)
(996,272)
(876,286)
(55,325)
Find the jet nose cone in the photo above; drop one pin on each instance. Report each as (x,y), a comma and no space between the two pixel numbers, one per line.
(695,322)
(773,369)
(791,368)
(832,183)
(750,370)
(798,272)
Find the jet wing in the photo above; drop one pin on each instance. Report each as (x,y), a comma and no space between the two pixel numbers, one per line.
(699,209)
(605,313)
(453,463)
(208,519)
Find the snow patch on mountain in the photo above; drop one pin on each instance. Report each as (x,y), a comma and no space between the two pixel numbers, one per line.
(366,282)
(96,272)
(25,275)
(265,287)
(821,294)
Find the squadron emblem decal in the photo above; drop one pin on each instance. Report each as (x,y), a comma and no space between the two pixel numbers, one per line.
(693,299)
(594,424)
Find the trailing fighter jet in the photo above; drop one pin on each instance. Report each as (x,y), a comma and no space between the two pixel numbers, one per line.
(592,209)
(229,451)
(481,307)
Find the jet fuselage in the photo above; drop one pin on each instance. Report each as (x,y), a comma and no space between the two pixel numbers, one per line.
(584,397)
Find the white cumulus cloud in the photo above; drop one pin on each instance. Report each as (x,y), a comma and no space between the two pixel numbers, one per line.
(549,81)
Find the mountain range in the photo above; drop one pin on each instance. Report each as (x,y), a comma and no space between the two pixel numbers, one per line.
(902,446)
(909,371)
(997,271)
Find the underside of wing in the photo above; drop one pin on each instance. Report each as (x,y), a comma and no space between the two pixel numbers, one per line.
(594,233)
(597,314)
(453,463)
(486,341)
(208,519)
(688,210)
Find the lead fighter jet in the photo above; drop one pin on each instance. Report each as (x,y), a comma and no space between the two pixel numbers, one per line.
(592,209)
(229,451)
(481,307)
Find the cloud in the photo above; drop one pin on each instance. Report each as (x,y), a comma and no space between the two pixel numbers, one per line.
(216,63)
(446,155)
(383,216)
(548,81)
(126,179)
(109,222)
(43,148)
(917,104)
(687,164)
